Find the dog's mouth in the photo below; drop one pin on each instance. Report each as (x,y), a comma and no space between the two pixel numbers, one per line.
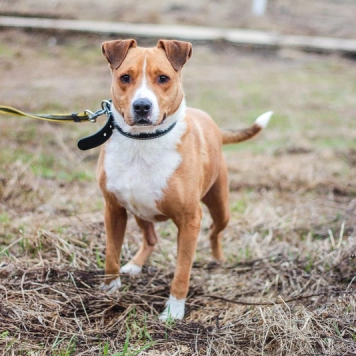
(143,121)
(162,121)
(164,118)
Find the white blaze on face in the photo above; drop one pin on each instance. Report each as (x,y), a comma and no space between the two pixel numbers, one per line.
(144,92)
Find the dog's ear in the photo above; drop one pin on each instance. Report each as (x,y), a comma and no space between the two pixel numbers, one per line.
(116,51)
(178,52)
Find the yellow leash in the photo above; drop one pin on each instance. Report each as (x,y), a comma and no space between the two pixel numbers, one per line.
(76,117)
(85,143)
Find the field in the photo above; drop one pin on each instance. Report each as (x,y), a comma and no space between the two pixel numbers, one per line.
(288,286)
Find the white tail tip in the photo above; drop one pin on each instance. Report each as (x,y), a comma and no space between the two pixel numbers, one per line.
(263,120)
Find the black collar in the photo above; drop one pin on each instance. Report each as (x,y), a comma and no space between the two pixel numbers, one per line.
(105,133)
(144,135)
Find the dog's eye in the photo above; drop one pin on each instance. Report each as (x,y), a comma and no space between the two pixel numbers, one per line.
(163,79)
(125,79)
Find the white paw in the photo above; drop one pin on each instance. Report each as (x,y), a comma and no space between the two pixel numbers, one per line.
(112,287)
(175,309)
(131,269)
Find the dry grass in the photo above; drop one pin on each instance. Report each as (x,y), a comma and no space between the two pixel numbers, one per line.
(288,287)
(283,292)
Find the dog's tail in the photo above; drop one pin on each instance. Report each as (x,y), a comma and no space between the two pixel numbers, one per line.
(234,136)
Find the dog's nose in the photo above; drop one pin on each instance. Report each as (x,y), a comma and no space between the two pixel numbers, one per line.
(142,106)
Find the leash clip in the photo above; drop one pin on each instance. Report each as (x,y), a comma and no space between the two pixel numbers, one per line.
(105,109)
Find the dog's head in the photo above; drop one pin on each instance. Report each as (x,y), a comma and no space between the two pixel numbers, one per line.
(146,82)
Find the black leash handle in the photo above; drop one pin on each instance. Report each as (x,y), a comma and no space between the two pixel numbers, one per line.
(99,137)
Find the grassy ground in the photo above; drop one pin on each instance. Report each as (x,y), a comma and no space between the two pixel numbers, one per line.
(288,287)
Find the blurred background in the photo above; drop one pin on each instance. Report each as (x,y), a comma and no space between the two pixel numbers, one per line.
(307,17)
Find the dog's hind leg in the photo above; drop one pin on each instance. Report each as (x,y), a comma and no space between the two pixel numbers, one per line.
(149,240)
(217,201)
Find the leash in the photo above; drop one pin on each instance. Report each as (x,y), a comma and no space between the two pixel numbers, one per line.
(85,143)
(86,115)
(98,138)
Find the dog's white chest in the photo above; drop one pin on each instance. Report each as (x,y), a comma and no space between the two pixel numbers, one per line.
(138,171)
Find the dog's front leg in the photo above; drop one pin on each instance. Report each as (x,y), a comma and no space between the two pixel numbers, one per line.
(115,225)
(188,231)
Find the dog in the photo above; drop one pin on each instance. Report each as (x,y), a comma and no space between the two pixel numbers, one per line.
(161,161)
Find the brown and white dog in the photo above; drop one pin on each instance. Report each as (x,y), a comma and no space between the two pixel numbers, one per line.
(162,160)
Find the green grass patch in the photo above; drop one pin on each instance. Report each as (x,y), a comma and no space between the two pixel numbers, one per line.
(239,206)
(6,50)
(47,165)
(4,218)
